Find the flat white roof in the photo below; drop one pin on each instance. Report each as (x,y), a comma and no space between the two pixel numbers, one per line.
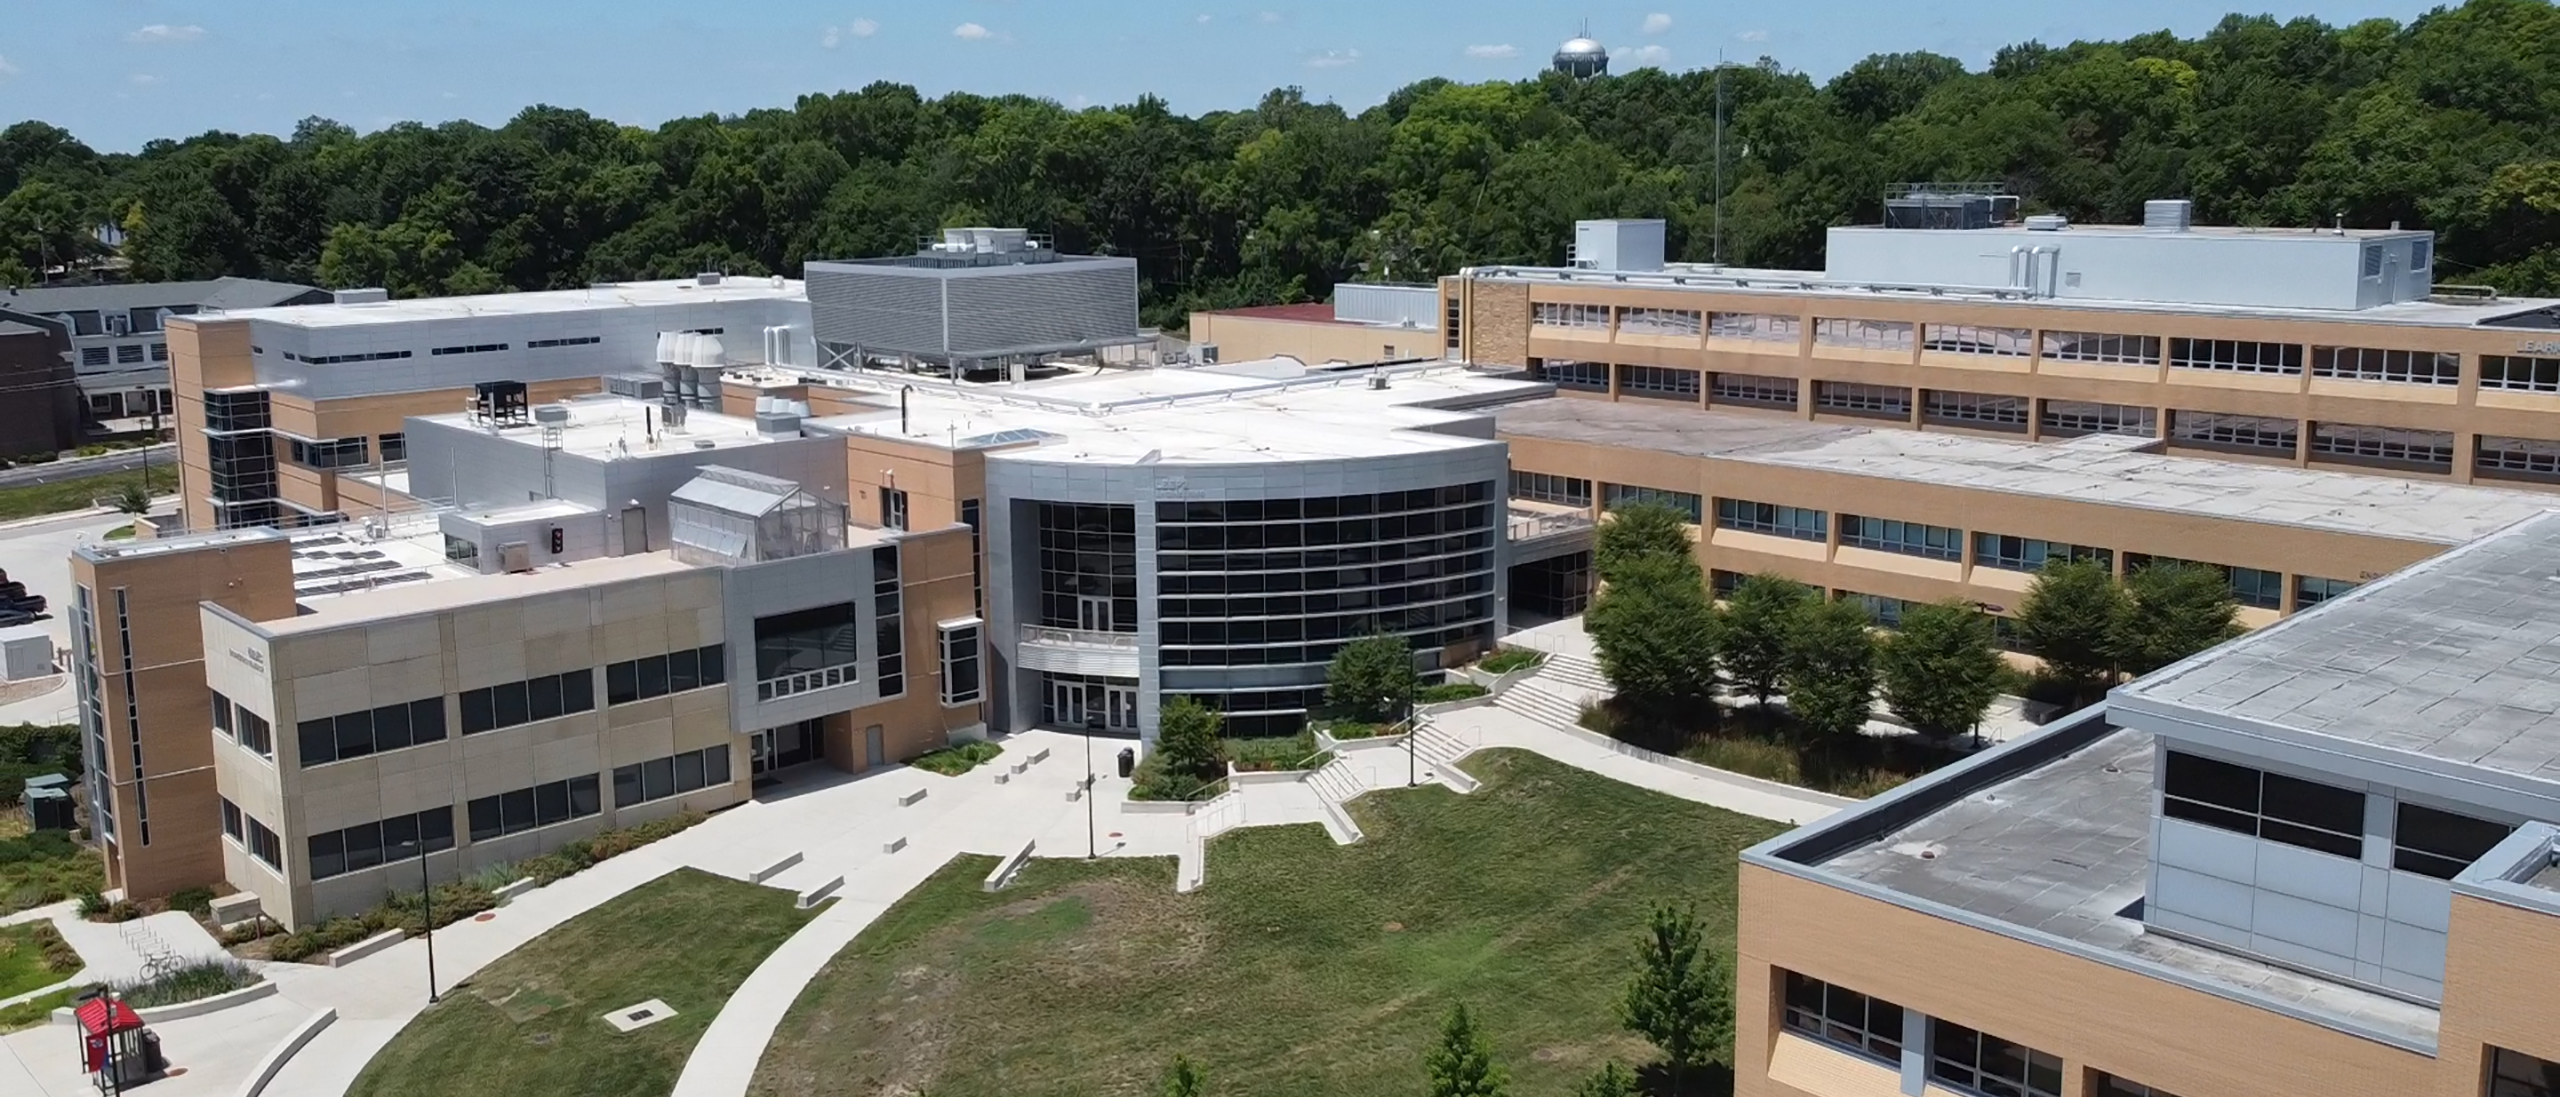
(1274,410)
(683,291)
(454,591)
(602,427)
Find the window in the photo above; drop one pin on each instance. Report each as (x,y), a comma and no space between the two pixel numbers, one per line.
(1452,329)
(373,731)
(893,508)
(2514,1074)
(1968,339)
(2311,590)
(511,703)
(642,679)
(961,682)
(1878,400)
(2351,443)
(2236,355)
(338,454)
(806,649)
(1994,550)
(2267,805)
(888,600)
(388,842)
(231,820)
(2421,254)
(1889,335)
(475,348)
(252,835)
(1987,1064)
(1586,317)
(2255,587)
(1752,388)
(2068,418)
(2417,367)
(221,713)
(2517,373)
(969,516)
(1844,1018)
(1884,612)
(2516,458)
(96,356)
(1582,376)
(2432,842)
(2111,1086)
(129,354)
(2373,260)
(1658,383)
(1543,487)
(1907,538)
(1677,322)
(539,806)
(159,352)
(395,448)
(1801,523)
(1617,495)
(1757,327)
(690,771)
(2222,430)
(254,733)
(372,356)
(1975,409)
(578,341)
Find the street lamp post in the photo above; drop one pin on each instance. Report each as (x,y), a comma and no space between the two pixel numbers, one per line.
(1412,768)
(427,913)
(1092,845)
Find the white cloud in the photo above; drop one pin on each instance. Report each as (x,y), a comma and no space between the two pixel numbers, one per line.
(1202,19)
(862,28)
(1642,56)
(163,32)
(143,79)
(831,39)
(7,69)
(1657,23)
(1753,36)
(1267,17)
(1493,53)
(972,32)
(1333,59)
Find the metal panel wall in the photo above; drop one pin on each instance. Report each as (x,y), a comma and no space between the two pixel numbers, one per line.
(883,309)
(1071,302)
(1414,306)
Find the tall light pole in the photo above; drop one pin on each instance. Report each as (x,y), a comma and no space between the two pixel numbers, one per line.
(427,911)
(1412,768)
(1092,845)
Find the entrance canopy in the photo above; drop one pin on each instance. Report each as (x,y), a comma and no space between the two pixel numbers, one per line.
(106,1017)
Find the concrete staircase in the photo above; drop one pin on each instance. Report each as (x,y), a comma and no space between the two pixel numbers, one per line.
(1547,703)
(1336,782)
(1439,749)
(1574,671)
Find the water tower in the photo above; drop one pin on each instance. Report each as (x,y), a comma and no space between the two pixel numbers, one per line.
(1581,58)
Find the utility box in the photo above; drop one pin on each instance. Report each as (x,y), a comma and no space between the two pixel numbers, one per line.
(48,801)
(1620,245)
(26,651)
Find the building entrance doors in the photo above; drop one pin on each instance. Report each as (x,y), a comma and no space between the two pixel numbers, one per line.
(1083,705)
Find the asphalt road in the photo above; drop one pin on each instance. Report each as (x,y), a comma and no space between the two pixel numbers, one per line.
(123,460)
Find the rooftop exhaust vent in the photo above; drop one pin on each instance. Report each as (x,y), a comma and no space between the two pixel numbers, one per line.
(2169,214)
(2048,222)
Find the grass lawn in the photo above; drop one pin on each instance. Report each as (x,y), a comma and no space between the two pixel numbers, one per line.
(45,867)
(1303,969)
(78,493)
(36,1011)
(22,965)
(533,1022)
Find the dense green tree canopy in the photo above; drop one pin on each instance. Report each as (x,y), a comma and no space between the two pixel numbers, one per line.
(2450,122)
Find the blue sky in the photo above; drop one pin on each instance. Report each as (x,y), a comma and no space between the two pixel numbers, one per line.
(120,72)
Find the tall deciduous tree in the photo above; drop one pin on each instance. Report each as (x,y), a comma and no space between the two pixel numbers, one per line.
(2069,621)
(1640,531)
(1372,678)
(1680,998)
(1759,617)
(1187,739)
(1656,634)
(1461,1064)
(2171,611)
(1940,668)
(1831,670)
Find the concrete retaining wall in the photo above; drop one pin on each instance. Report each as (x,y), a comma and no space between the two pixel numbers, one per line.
(818,894)
(202,1006)
(1005,869)
(1683,764)
(284,1052)
(508,893)
(366,947)
(775,869)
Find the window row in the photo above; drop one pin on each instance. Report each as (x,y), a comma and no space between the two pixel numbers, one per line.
(474,348)
(539,806)
(574,341)
(373,731)
(1658,382)
(1315,563)
(2385,445)
(1974,409)
(1232,604)
(343,453)
(1581,376)
(1330,531)
(1801,523)
(1691,504)
(1970,339)
(2272,806)
(1345,581)
(963,673)
(675,775)
(1753,388)
(1680,322)
(509,704)
(252,835)
(334,359)
(2516,458)
(888,615)
(2075,417)
(659,675)
(1883,612)
(1897,536)
(1758,327)
(2519,373)
(2248,432)
(244,727)
(2101,348)
(2249,586)
(2417,367)
(1554,314)
(808,641)
(1888,335)
(1321,506)
(1881,400)
(1422,629)
(1542,487)
(2028,554)
(2236,355)
(391,841)
(1959,1057)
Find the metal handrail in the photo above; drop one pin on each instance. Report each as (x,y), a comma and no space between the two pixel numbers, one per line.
(1080,638)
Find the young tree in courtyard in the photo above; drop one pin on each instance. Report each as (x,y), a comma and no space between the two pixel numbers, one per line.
(1831,670)
(1639,531)
(1372,679)
(1462,1065)
(1612,1080)
(1183,1080)
(1656,634)
(1758,617)
(1680,999)
(2069,621)
(1187,740)
(1940,669)
(2171,611)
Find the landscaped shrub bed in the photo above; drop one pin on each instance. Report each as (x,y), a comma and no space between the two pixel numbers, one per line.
(959,758)
(1510,659)
(192,982)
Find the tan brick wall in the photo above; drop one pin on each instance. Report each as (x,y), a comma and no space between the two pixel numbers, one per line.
(2499,987)
(1242,338)
(203,353)
(1496,319)
(935,570)
(2094,1016)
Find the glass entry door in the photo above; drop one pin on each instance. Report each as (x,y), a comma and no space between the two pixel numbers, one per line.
(1085,705)
(1093,613)
(776,748)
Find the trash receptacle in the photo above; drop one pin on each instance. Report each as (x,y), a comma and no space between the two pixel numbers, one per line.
(152,1058)
(1128,761)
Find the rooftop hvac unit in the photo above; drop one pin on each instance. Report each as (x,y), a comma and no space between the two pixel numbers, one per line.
(2048,222)
(638,386)
(551,415)
(515,556)
(2169,214)
(707,278)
